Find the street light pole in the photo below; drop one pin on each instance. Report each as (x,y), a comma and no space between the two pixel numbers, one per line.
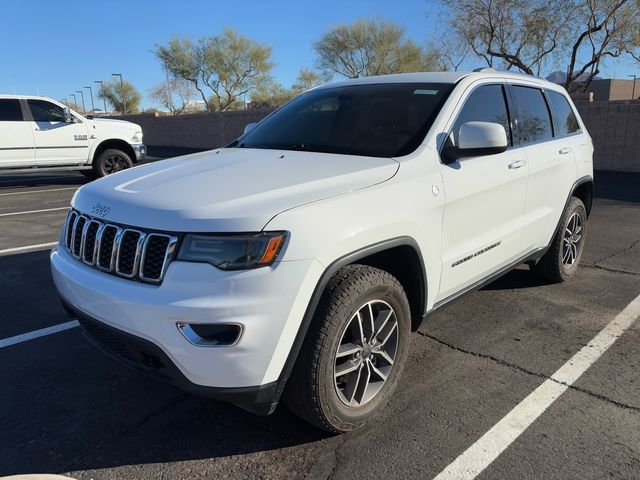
(124,100)
(102,90)
(84,109)
(75,100)
(93,107)
(633,89)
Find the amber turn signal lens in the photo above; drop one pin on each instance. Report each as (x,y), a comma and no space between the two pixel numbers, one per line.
(273,247)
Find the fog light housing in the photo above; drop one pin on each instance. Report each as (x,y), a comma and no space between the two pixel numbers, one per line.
(211,334)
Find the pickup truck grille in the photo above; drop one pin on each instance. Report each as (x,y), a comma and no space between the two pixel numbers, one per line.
(128,252)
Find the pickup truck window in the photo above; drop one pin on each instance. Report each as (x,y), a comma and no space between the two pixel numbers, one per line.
(485,104)
(379,120)
(534,121)
(10,110)
(43,111)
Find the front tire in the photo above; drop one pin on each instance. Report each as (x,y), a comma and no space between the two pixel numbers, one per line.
(354,352)
(561,261)
(111,161)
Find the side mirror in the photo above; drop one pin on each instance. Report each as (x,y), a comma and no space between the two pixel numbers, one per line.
(68,118)
(477,139)
(249,127)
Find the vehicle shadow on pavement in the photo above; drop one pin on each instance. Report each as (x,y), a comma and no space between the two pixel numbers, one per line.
(53,180)
(521,277)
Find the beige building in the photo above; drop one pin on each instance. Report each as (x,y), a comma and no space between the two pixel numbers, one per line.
(608,89)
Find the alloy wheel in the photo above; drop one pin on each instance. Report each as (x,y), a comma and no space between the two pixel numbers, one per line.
(571,240)
(366,353)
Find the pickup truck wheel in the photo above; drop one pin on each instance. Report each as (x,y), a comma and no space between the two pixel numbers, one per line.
(561,261)
(354,352)
(110,161)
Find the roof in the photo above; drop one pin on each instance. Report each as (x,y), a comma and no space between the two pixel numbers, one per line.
(437,77)
(28,97)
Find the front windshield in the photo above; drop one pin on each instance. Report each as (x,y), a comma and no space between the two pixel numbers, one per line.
(378,120)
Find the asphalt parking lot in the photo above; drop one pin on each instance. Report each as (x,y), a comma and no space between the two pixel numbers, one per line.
(67,408)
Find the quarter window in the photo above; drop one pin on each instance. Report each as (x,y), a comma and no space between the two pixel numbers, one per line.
(565,121)
(534,121)
(10,110)
(485,104)
(43,111)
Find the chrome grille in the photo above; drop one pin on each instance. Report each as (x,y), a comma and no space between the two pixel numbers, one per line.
(127,252)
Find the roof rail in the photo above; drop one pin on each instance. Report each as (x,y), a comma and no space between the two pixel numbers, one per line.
(484,69)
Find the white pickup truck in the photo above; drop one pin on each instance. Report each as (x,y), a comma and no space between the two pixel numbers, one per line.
(38,133)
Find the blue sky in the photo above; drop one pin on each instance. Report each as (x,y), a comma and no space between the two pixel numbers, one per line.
(56,47)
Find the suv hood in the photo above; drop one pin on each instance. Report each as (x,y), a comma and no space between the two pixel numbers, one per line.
(100,122)
(226,190)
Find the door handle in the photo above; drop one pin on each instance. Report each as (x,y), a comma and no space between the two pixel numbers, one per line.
(564,151)
(517,164)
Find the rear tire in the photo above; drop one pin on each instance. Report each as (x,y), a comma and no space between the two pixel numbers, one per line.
(561,261)
(111,161)
(370,357)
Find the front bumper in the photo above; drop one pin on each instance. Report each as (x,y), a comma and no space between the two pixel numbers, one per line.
(145,356)
(141,152)
(268,302)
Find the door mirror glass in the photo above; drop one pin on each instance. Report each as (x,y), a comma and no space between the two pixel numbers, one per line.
(477,139)
(249,127)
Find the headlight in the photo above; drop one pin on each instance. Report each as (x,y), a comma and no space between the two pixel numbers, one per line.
(137,137)
(232,252)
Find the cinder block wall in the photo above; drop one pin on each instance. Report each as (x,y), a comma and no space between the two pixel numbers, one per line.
(615,130)
(197,130)
(614,127)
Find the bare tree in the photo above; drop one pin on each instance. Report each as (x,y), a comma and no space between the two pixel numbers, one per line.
(516,33)
(606,29)
(222,68)
(580,34)
(173,94)
(369,47)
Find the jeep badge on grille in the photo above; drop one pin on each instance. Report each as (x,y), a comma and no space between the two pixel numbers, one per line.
(100,210)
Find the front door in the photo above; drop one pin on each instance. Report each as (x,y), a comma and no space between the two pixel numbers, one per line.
(16,137)
(57,141)
(485,198)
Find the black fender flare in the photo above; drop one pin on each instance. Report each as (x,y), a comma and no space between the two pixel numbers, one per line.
(329,272)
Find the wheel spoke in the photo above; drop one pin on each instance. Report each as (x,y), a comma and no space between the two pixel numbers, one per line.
(388,334)
(352,384)
(375,370)
(347,349)
(362,339)
(363,383)
(387,358)
(378,330)
(346,367)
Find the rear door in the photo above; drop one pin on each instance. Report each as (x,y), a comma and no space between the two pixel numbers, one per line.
(485,199)
(16,138)
(551,164)
(57,142)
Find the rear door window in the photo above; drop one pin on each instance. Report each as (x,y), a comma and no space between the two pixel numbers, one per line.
(565,121)
(10,110)
(485,104)
(533,118)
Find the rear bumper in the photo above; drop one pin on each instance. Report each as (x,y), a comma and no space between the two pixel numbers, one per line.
(143,355)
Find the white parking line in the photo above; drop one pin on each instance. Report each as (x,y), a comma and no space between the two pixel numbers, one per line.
(33,211)
(43,332)
(39,191)
(484,451)
(28,248)
(39,179)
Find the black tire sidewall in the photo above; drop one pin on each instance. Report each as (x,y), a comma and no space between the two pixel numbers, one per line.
(337,413)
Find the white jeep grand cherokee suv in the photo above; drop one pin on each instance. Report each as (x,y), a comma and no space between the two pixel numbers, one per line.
(296,261)
(37,133)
